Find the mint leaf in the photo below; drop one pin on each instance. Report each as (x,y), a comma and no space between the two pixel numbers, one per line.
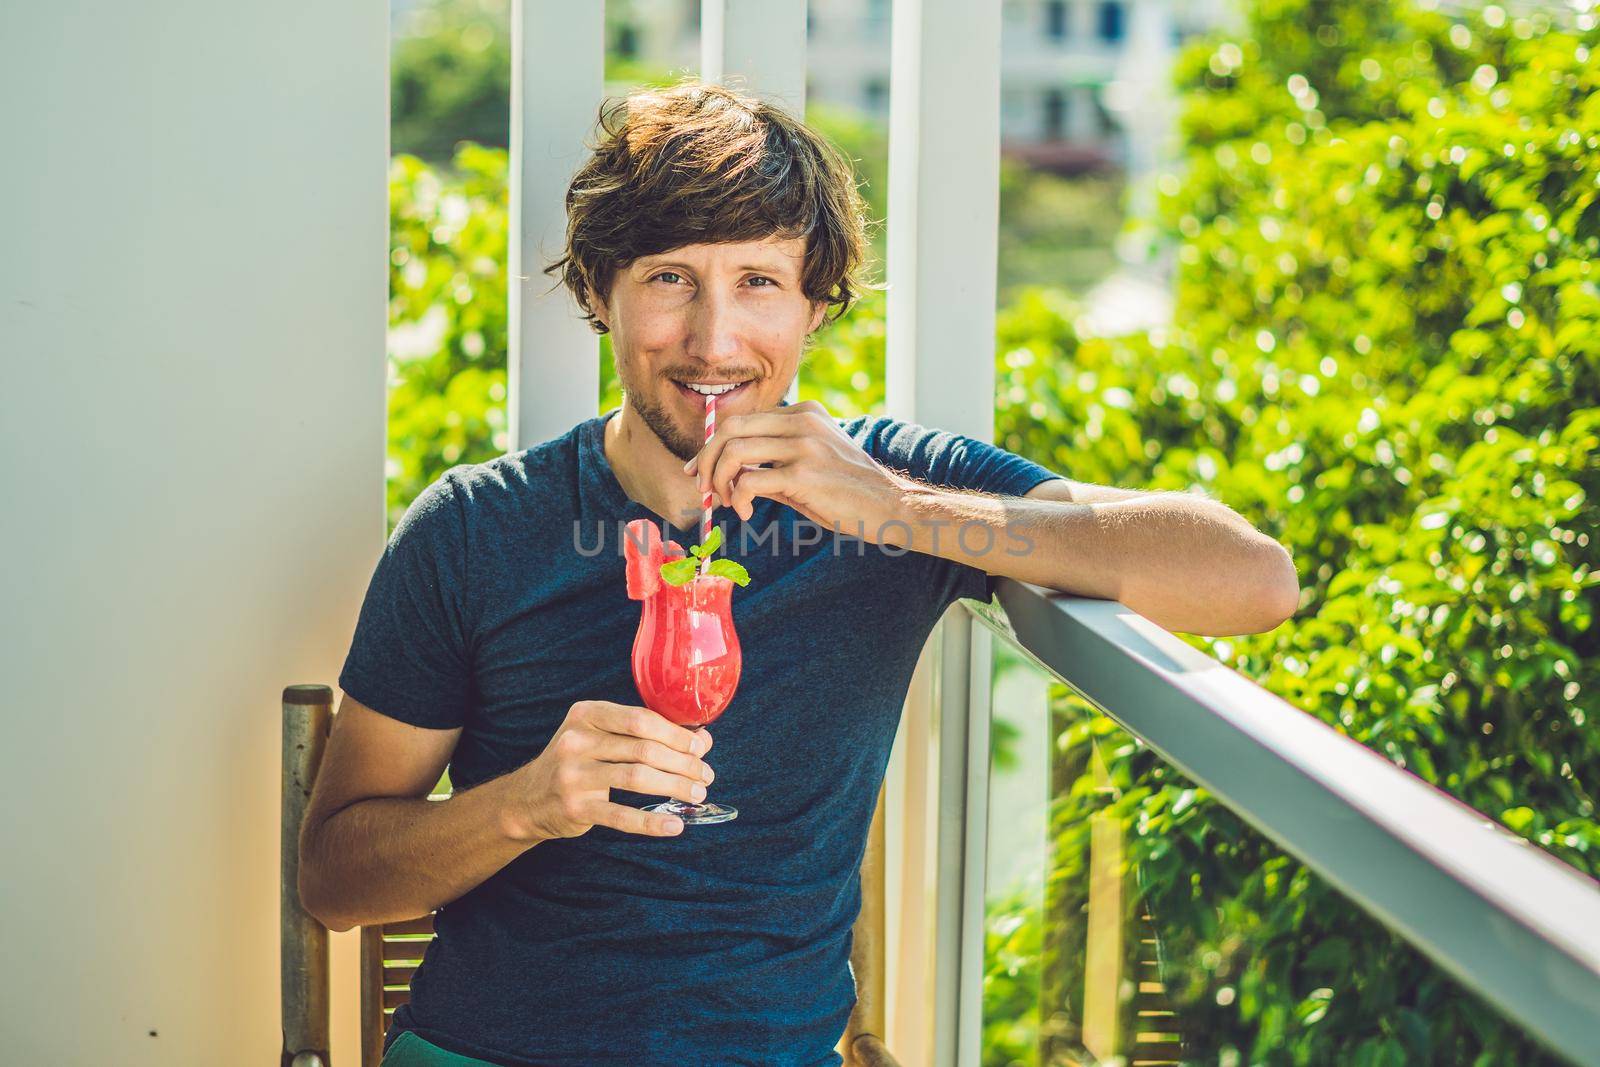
(678,571)
(682,571)
(727,568)
(712,543)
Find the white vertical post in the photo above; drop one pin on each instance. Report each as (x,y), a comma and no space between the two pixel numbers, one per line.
(944,211)
(757,47)
(557,72)
(911,848)
(965,834)
(944,171)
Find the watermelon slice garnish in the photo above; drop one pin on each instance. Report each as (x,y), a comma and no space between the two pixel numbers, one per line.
(645,553)
(642,548)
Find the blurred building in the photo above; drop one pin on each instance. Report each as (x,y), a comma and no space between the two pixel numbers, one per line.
(1083,82)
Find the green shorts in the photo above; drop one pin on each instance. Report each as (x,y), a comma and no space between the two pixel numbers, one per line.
(409,1050)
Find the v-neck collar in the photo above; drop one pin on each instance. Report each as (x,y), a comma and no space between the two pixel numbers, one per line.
(616,499)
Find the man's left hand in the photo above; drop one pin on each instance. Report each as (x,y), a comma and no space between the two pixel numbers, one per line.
(810,464)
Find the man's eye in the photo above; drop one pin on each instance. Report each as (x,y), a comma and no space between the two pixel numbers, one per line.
(667,274)
(762,278)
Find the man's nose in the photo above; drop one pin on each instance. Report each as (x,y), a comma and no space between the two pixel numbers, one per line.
(715,331)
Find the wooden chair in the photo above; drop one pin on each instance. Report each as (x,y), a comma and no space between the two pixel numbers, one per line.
(390,952)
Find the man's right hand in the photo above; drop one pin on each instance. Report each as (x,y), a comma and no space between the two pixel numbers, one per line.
(602,746)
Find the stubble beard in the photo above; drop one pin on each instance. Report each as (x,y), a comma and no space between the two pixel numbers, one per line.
(661,423)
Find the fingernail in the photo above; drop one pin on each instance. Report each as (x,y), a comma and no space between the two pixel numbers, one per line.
(698,793)
(672,825)
(699,743)
(690,465)
(708,774)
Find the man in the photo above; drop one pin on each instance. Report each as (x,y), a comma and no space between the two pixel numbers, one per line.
(710,235)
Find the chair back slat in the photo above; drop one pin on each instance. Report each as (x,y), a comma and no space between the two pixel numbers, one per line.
(398,975)
(389,957)
(862,1044)
(373,1021)
(302,941)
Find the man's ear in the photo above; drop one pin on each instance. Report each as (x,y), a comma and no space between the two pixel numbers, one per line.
(819,309)
(597,308)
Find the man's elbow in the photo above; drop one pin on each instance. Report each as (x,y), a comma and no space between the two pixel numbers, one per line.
(313,898)
(1277,595)
(318,910)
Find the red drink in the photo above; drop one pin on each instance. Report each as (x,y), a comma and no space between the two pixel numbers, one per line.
(686,656)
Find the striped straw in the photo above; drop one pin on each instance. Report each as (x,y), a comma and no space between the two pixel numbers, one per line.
(705,502)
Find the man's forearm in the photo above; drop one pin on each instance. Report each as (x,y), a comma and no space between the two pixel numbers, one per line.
(391,858)
(1184,561)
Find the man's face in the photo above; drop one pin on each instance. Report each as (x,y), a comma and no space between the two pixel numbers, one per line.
(708,314)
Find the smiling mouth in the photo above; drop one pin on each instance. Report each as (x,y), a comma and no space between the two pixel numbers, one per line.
(724,394)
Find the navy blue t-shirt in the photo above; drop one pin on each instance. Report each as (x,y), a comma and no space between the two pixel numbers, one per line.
(501,601)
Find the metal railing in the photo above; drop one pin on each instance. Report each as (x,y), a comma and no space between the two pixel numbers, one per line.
(1504,918)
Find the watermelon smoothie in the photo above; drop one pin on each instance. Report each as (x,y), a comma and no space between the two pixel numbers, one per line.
(686,656)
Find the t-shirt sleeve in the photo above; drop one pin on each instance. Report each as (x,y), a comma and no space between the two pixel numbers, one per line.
(956,461)
(942,457)
(410,657)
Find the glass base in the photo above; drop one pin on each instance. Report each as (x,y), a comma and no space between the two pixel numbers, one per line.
(696,814)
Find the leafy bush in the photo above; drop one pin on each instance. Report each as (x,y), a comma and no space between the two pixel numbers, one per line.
(450,78)
(1386,356)
(447,319)
(1056,228)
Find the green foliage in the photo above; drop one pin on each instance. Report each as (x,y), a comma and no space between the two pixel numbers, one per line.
(450,78)
(1386,358)
(447,319)
(1011,953)
(864,142)
(450,75)
(1055,228)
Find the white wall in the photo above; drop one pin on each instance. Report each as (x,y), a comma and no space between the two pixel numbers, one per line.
(192,290)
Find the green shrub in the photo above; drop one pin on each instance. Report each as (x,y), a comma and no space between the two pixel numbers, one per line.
(1387,339)
(450,78)
(447,318)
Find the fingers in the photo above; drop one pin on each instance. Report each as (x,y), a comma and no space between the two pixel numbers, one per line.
(793,420)
(604,745)
(633,821)
(721,467)
(639,778)
(615,748)
(759,482)
(631,721)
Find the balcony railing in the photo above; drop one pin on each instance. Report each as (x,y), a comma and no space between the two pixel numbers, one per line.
(1505,920)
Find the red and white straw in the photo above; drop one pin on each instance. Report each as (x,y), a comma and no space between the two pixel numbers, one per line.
(705,502)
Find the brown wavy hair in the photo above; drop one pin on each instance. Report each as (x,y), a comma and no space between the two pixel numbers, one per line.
(698,163)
